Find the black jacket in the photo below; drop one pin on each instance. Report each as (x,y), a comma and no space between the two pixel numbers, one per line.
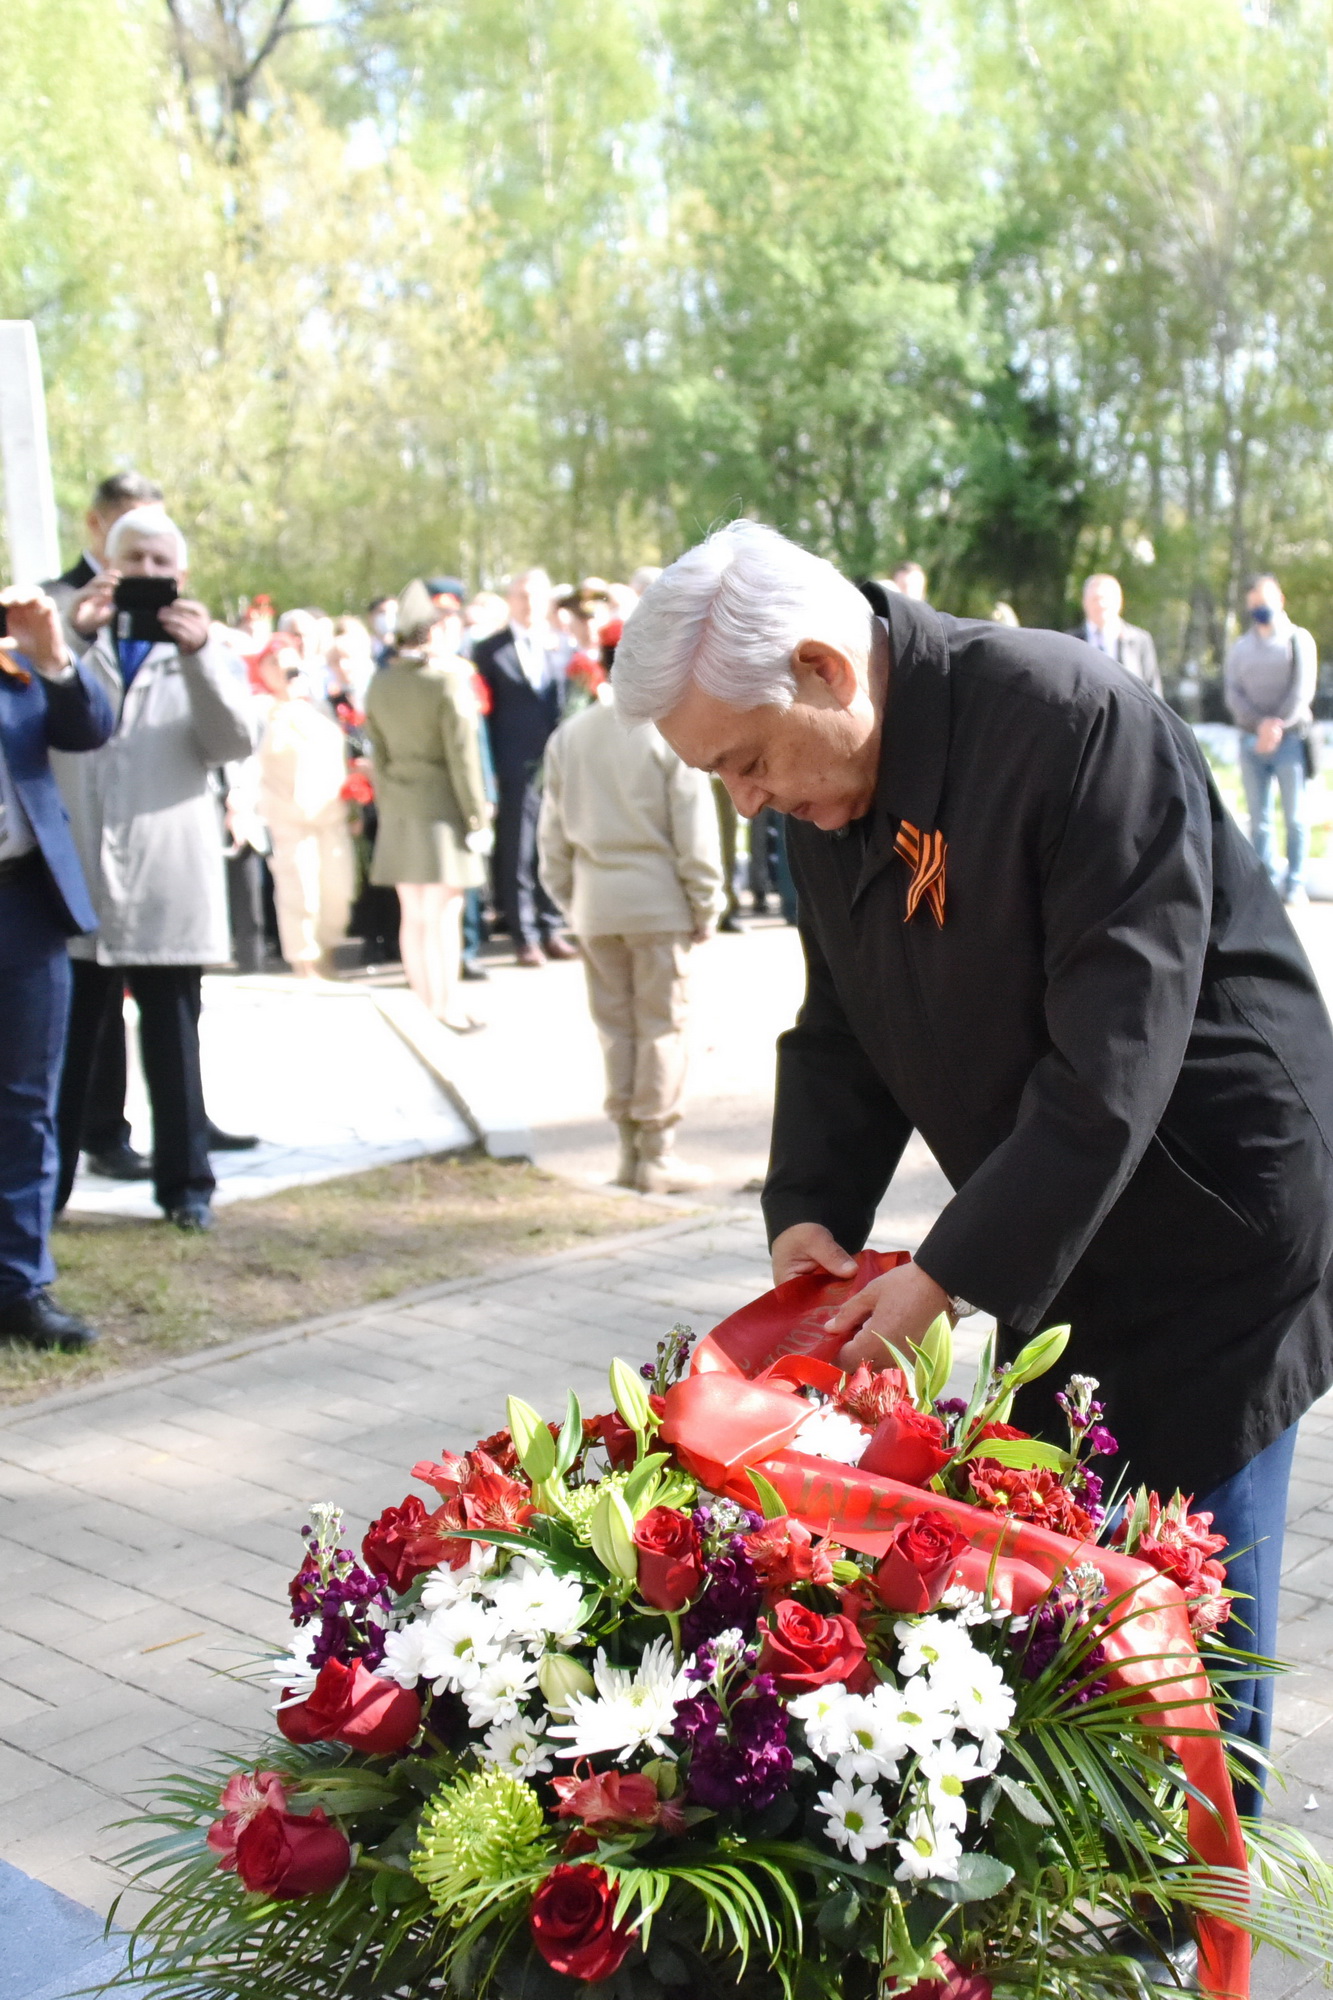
(1135,651)
(1114,1045)
(522,717)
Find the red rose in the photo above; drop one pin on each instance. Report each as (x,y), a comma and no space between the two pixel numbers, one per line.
(999,1431)
(386,1546)
(284,1854)
(349,1704)
(671,1559)
(803,1650)
(785,1552)
(918,1563)
(910,1445)
(571,1924)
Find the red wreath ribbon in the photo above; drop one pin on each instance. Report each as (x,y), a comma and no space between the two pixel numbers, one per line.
(739,1407)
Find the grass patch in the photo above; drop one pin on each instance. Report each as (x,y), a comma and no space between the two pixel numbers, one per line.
(153,1291)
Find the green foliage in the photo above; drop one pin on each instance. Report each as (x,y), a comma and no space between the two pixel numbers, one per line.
(397,285)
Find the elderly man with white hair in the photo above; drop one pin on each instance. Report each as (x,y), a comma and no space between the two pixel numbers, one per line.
(1034,935)
(146,824)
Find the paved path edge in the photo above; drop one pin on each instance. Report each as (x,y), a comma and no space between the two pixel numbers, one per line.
(507,1269)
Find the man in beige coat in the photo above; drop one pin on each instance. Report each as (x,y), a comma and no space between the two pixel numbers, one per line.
(628,846)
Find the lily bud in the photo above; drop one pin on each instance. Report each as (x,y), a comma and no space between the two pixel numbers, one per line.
(611,1529)
(631,1396)
(532,1440)
(561,1680)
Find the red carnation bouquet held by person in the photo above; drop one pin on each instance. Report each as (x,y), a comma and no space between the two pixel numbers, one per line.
(771,1681)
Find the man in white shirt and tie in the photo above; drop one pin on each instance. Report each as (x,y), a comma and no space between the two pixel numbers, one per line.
(1104,628)
(523,667)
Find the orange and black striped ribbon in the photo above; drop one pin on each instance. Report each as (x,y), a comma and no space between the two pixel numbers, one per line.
(924,854)
(14,670)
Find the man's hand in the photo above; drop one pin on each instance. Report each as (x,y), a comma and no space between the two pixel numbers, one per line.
(188,624)
(897,1307)
(1268,735)
(94,606)
(808,1246)
(701,933)
(34,627)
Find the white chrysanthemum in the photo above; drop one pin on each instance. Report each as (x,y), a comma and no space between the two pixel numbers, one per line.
(930,1642)
(459,1642)
(403,1654)
(946,1770)
(971,1606)
(977,1690)
(294,1671)
(928,1852)
(630,1709)
(921,1713)
(500,1690)
(864,1738)
(820,1711)
(827,1433)
(855,1816)
(517,1748)
(534,1604)
(445,1587)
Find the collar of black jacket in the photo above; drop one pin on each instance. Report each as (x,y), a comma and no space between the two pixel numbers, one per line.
(915,740)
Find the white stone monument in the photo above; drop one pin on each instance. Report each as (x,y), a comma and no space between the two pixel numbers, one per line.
(30,501)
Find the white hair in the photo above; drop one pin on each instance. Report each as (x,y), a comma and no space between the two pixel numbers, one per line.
(728,616)
(147,520)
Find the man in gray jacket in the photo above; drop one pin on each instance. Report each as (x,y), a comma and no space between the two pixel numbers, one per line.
(146,825)
(1271,673)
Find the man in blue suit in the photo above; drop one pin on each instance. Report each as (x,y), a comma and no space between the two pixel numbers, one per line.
(46,703)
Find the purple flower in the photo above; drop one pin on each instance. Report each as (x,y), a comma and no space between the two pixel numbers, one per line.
(731,1596)
(950,1406)
(1044,1638)
(1100,1443)
(740,1762)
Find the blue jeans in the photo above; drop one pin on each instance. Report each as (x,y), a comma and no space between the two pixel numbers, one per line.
(1287,765)
(1250,1509)
(34,1007)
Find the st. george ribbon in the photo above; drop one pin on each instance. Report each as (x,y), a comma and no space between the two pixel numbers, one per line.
(740,1406)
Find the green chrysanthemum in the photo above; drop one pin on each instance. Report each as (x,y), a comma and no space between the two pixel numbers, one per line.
(477,1835)
(579,1502)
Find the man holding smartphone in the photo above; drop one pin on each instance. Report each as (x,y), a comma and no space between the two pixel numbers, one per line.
(146,826)
(45,703)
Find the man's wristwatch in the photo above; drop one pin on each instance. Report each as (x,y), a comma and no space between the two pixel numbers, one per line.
(960,1307)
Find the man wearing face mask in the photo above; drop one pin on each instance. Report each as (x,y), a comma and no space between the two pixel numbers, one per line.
(1270,682)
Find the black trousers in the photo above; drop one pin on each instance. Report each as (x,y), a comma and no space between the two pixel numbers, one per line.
(105,1126)
(528,910)
(168,999)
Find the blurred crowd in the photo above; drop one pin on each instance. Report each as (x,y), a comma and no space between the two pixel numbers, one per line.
(297,792)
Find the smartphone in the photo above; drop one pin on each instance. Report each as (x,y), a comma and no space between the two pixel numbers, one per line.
(139,599)
(4,622)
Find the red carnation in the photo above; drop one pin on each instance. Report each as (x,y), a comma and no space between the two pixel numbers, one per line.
(785,1552)
(915,1570)
(671,1559)
(910,1445)
(349,1704)
(803,1650)
(386,1547)
(870,1395)
(571,1922)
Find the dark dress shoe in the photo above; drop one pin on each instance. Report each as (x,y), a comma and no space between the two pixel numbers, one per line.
(731,925)
(194,1215)
(39,1322)
(529,954)
(1169,1954)
(471,969)
(229,1142)
(558,947)
(120,1163)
